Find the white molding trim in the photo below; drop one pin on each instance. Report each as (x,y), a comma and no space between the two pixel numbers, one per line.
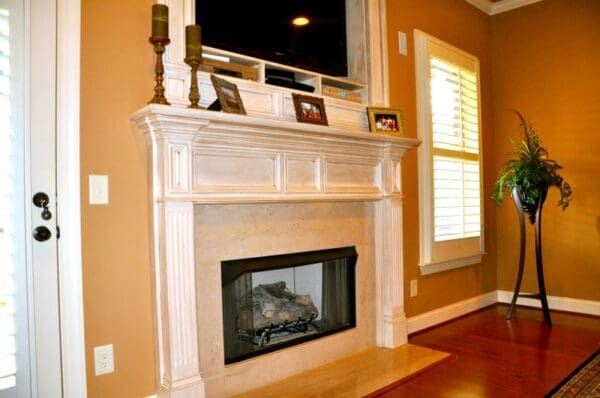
(507,5)
(580,306)
(449,312)
(68,190)
(389,286)
(453,311)
(498,7)
(432,268)
(377,67)
(483,5)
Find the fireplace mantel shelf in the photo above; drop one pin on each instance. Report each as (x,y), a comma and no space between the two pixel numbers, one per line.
(212,157)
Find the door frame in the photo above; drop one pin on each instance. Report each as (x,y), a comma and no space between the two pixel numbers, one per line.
(68,187)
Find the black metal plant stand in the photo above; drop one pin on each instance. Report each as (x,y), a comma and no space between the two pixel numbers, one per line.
(538,255)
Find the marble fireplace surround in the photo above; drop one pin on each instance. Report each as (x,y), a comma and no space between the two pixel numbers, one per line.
(207,166)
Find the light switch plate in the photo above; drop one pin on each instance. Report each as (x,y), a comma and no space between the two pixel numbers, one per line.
(104,360)
(98,189)
(402,46)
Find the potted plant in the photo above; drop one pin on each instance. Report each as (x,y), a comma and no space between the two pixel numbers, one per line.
(530,173)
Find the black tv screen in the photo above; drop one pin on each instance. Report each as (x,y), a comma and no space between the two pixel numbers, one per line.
(264,29)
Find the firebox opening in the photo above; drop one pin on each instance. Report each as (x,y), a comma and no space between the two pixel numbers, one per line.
(277,301)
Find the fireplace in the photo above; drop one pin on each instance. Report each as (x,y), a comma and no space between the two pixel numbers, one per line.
(228,186)
(277,301)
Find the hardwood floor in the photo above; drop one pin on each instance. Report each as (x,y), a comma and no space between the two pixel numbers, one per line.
(498,358)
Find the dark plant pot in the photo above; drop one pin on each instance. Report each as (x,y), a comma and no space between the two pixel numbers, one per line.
(532,204)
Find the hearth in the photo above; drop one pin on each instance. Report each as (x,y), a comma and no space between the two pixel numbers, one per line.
(277,301)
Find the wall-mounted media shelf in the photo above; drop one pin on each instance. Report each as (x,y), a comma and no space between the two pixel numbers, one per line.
(345,100)
(267,72)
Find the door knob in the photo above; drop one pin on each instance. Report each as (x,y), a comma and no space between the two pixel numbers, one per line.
(41,234)
(41,200)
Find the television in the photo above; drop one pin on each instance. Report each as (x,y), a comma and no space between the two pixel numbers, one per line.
(264,29)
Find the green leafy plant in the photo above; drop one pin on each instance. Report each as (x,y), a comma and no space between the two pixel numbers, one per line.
(531,173)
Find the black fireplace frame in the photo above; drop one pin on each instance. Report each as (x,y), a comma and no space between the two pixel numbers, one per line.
(232,269)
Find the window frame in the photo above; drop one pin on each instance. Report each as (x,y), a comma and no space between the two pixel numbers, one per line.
(444,255)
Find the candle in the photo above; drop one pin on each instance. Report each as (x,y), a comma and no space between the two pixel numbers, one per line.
(160,21)
(193,41)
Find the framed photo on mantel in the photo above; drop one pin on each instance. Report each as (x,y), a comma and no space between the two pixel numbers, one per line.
(228,95)
(388,121)
(309,109)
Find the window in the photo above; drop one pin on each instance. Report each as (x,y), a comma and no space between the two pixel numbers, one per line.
(450,184)
(7,236)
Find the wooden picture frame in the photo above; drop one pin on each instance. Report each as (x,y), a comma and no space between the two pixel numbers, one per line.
(388,121)
(309,109)
(228,95)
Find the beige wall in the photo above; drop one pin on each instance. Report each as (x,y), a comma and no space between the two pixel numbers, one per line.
(464,26)
(116,79)
(546,65)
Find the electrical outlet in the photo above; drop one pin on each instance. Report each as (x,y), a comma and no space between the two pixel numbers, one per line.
(104,359)
(413,288)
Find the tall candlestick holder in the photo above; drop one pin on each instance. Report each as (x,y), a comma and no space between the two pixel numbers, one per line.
(194,96)
(159,44)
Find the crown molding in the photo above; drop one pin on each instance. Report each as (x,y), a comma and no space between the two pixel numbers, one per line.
(507,5)
(483,5)
(498,7)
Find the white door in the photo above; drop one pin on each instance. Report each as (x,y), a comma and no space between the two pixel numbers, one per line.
(30,363)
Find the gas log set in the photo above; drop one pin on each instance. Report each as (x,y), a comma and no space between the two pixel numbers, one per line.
(276,314)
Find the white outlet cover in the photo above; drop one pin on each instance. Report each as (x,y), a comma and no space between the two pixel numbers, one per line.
(402,46)
(104,361)
(98,189)
(413,288)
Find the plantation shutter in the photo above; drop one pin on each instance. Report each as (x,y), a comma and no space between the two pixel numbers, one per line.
(450,183)
(7,235)
(455,141)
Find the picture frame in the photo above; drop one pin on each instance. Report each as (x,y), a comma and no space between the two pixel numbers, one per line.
(309,109)
(228,95)
(388,121)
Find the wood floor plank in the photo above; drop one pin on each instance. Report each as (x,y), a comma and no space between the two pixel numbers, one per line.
(493,357)
(354,376)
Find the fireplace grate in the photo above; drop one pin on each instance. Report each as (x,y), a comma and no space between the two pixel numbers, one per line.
(275,334)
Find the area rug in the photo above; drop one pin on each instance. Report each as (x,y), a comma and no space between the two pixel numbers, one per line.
(582,382)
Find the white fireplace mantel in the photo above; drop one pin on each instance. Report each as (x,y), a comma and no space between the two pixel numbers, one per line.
(205,157)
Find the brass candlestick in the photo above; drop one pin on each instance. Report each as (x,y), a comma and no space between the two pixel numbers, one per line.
(159,90)
(194,96)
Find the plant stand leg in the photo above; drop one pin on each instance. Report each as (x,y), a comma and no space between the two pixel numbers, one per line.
(540,266)
(521,214)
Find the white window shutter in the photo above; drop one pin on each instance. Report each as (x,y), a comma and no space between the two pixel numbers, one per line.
(450,190)
(455,139)
(7,231)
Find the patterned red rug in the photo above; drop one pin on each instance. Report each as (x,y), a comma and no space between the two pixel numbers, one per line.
(583,382)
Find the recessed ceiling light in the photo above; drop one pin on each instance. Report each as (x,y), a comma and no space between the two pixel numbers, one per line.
(300,21)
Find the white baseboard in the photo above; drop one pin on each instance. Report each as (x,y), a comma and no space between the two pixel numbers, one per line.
(440,315)
(452,311)
(588,307)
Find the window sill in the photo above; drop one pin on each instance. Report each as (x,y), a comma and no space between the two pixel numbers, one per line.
(432,268)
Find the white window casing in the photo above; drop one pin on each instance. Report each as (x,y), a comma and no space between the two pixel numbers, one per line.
(450,160)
